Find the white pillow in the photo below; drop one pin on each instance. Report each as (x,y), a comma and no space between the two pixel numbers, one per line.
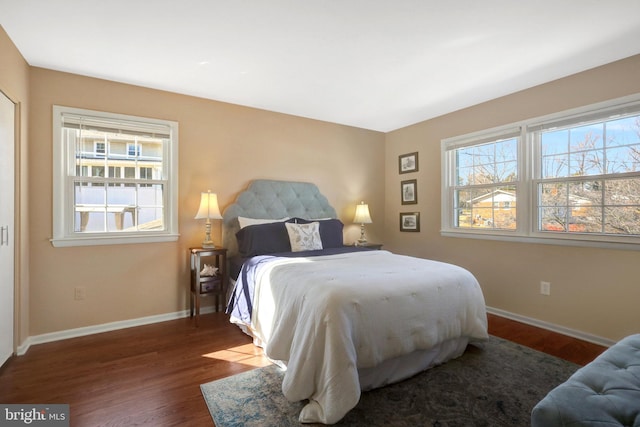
(304,237)
(255,221)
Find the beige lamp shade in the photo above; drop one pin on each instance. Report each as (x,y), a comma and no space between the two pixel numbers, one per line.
(208,210)
(362,215)
(208,206)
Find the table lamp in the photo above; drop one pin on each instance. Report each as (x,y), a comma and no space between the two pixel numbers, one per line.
(362,217)
(208,210)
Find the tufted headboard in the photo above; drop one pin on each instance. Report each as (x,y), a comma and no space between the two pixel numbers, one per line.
(273,199)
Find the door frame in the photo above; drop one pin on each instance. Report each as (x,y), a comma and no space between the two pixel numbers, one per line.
(16,222)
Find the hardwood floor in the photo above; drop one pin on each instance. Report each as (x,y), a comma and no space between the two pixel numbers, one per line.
(150,375)
(562,346)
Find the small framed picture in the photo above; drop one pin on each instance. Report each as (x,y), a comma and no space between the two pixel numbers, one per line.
(408,163)
(410,221)
(409,191)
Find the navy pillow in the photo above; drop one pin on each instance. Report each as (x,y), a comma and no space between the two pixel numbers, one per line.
(262,239)
(330,231)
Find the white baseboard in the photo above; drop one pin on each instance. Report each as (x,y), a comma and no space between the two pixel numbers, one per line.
(552,327)
(112,326)
(105,327)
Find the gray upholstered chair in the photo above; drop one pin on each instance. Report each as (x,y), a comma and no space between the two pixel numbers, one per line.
(606,392)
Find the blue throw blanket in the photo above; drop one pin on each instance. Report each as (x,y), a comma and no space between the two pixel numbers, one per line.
(241,302)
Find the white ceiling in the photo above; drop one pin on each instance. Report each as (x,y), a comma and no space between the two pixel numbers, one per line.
(374,64)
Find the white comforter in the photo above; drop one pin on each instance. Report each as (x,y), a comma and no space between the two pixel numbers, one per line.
(327,316)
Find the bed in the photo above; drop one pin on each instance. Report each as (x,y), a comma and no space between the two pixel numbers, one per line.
(339,319)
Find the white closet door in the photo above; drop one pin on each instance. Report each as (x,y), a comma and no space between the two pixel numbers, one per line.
(7,189)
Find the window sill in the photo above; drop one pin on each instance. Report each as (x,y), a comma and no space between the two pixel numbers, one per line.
(61,242)
(578,241)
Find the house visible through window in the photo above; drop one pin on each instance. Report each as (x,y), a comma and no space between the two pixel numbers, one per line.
(572,176)
(106,190)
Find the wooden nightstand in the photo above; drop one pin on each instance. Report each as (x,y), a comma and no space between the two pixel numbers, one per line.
(207,285)
(369,245)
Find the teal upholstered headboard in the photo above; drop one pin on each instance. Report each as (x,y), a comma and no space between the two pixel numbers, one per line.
(273,199)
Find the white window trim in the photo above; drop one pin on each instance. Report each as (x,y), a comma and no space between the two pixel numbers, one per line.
(63,236)
(526,231)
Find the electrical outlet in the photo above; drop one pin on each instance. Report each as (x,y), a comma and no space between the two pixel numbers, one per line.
(79,293)
(545,288)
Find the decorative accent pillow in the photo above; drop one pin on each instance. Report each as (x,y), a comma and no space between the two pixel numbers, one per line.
(304,237)
(330,231)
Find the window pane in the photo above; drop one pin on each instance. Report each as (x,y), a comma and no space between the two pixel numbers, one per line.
(89,206)
(463,207)
(504,208)
(586,137)
(487,208)
(609,206)
(585,163)
(120,212)
(507,171)
(121,196)
(553,219)
(622,192)
(623,131)
(573,152)
(507,150)
(151,219)
(586,219)
(553,194)
(555,142)
(150,200)
(622,220)
(585,193)
(555,166)
(623,159)
(464,176)
(574,206)
(487,163)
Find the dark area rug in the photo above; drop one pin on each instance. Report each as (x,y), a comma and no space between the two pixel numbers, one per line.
(497,384)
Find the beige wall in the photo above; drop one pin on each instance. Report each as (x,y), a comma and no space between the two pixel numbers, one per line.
(595,291)
(14,82)
(222,147)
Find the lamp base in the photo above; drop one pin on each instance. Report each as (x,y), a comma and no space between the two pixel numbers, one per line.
(362,240)
(208,243)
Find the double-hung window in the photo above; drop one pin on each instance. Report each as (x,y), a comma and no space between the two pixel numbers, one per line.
(484,181)
(569,178)
(115,178)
